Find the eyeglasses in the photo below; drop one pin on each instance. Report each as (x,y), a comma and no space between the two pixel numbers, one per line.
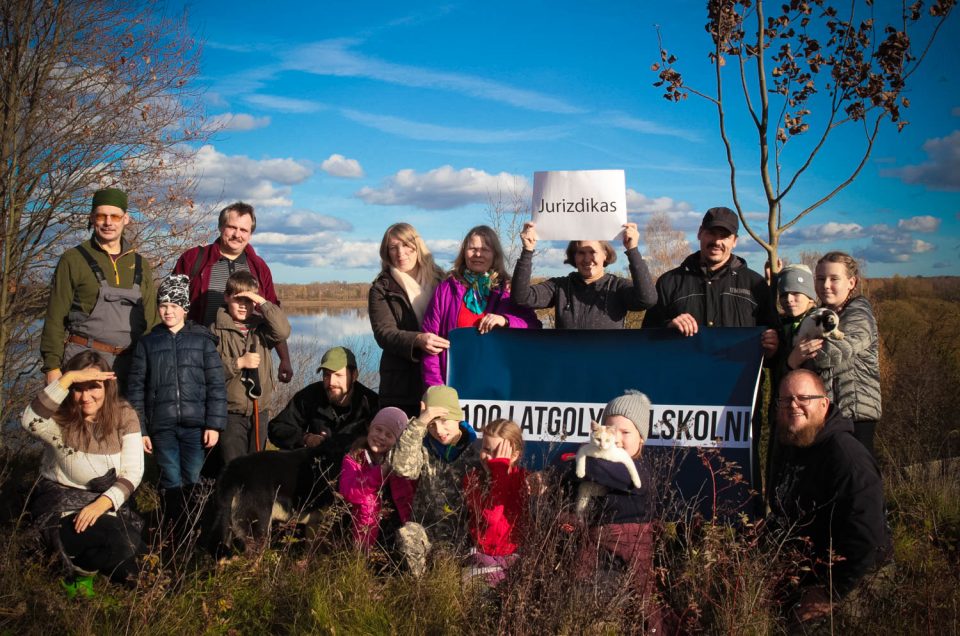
(802,400)
(100,217)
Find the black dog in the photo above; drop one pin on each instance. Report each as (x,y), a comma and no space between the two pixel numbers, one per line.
(270,485)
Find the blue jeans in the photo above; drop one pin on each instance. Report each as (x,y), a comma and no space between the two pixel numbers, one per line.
(179,453)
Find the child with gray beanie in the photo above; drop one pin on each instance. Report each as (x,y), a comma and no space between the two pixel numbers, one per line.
(620,524)
(798,297)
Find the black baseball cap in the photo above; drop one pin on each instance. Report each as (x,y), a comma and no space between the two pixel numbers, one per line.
(721,217)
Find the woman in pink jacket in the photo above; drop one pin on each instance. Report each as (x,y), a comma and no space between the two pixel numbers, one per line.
(366,479)
(475,294)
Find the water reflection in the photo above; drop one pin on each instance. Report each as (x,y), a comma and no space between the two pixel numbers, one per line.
(316,329)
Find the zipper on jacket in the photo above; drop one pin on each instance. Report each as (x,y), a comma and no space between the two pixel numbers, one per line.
(176,374)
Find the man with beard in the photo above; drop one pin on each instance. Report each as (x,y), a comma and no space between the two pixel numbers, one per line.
(333,412)
(713,287)
(828,491)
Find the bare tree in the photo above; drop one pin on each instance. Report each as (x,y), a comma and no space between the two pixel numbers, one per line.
(807,69)
(506,213)
(666,247)
(92,94)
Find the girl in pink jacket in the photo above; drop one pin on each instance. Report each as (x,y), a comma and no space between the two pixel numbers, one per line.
(367,481)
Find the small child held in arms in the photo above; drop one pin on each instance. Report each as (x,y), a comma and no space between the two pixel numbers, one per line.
(248,327)
(620,525)
(176,386)
(366,478)
(438,449)
(497,498)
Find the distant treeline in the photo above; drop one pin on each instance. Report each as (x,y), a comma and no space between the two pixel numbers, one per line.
(331,292)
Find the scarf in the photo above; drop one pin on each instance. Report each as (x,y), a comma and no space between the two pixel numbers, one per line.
(478,291)
(419,290)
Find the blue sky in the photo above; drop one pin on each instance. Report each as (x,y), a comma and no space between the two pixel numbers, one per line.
(338,119)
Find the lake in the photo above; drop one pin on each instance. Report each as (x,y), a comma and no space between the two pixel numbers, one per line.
(315,330)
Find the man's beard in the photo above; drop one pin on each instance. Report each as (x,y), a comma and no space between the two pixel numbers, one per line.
(802,438)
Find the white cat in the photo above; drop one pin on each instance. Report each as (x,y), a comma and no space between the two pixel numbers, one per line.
(602,445)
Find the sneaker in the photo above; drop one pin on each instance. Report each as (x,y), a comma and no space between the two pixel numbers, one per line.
(81,586)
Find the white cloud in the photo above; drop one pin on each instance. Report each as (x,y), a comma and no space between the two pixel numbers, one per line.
(236,121)
(824,233)
(890,245)
(283,104)
(339,166)
(645,126)
(321,249)
(300,223)
(264,182)
(433,132)
(441,188)
(335,57)
(681,214)
(941,171)
(925,223)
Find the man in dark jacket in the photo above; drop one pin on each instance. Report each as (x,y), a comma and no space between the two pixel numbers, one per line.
(829,491)
(333,412)
(713,287)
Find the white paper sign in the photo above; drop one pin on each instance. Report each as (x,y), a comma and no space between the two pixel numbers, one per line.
(579,205)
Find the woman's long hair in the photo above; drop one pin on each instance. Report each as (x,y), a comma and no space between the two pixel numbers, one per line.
(407,234)
(498,270)
(110,417)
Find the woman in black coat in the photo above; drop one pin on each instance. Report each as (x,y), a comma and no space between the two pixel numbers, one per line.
(397,301)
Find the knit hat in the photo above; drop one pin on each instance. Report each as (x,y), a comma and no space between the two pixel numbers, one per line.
(796,279)
(336,359)
(633,405)
(109,196)
(391,418)
(445,396)
(175,289)
(721,217)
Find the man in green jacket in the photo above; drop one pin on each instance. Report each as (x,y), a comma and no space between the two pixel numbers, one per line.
(102,296)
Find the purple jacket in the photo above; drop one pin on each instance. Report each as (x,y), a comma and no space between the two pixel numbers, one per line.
(441,319)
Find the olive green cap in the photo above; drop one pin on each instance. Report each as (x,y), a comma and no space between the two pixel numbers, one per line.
(109,196)
(445,396)
(336,359)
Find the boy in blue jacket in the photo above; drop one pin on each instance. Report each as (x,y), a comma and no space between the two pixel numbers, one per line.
(177,387)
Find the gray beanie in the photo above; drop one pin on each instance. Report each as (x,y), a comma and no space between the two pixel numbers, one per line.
(175,289)
(633,405)
(796,279)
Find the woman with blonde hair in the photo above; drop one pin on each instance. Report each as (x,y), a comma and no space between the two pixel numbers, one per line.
(476,293)
(396,304)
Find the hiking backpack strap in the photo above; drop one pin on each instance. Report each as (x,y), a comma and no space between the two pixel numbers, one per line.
(197,264)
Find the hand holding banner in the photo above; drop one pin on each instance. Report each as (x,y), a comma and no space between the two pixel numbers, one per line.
(584,205)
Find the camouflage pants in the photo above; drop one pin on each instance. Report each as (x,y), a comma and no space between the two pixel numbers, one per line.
(415,546)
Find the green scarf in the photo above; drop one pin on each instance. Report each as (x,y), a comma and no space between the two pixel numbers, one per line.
(478,291)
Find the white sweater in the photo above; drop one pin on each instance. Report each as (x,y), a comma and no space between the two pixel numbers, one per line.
(68,462)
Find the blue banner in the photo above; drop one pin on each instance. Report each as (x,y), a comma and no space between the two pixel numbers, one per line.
(555,382)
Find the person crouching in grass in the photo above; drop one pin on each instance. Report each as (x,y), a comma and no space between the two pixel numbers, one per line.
(438,449)
(369,484)
(620,525)
(497,500)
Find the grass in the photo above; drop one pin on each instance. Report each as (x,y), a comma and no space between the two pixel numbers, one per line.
(711,577)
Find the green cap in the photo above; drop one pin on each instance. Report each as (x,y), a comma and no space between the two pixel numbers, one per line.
(447,397)
(109,196)
(336,359)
